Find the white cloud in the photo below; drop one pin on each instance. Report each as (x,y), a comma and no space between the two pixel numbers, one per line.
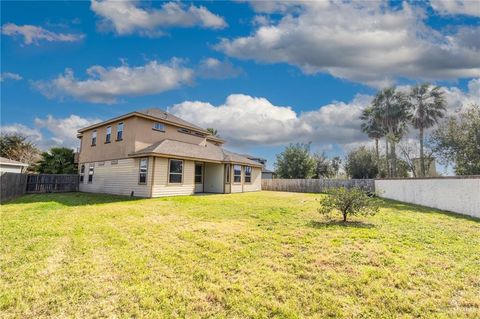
(366,42)
(211,68)
(454,7)
(10,76)
(106,85)
(127,17)
(50,131)
(33,134)
(33,35)
(458,99)
(244,120)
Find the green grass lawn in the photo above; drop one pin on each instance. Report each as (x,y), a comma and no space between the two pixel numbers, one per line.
(251,255)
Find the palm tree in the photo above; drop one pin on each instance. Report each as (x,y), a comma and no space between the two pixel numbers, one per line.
(393,109)
(212,131)
(428,106)
(372,126)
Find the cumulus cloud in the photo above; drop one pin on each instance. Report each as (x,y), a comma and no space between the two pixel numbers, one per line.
(50,131)
(106,85)
(127,17)
(211,68)
(10,76)
(33,34)
(244,120)
(32,133)
(366,42)
(454,7)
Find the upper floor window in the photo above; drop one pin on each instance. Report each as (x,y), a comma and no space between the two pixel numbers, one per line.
(159,126)
(94,138)
(143,171)
(248,174)
(237,174)
(120,131)
(109,134)
(175,171)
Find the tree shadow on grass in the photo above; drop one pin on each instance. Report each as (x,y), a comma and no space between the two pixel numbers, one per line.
(71,199)
(339,223)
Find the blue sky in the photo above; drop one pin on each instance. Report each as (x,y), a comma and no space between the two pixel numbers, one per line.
(264,73)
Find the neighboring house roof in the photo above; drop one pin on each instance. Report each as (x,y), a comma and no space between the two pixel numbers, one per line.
(254,158)
(265,170)
(208,152)
(6,161)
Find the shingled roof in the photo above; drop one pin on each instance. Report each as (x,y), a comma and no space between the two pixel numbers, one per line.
(207,152)
(164,115)
(156,113)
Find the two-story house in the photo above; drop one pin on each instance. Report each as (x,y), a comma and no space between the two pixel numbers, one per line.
(153,153)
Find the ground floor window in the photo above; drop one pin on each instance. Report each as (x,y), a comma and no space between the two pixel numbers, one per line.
(82,172)
(237,174)
(248,174)
(142,179)
(198,173)
(175,171)
(227,173)
(90,173)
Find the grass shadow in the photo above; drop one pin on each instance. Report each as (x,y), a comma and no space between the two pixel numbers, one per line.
(71,199)
(339,223)
(401,206)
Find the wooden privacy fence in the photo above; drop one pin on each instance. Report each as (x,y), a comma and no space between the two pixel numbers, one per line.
(12,185)
(16,184)
(52,183)
(315,185)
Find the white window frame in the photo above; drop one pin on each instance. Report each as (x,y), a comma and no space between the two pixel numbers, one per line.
(82,173)
(91,171)
(228,169)
(160,128)
(201,173)
(94,137)
(108,135)
(237,175)
(249,168)
(170,173)
(120,128)
(145,160)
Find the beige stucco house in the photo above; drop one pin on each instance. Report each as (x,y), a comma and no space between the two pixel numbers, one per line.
(152,153)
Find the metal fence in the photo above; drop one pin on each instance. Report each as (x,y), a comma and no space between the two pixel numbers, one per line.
(315,185)
(16,184)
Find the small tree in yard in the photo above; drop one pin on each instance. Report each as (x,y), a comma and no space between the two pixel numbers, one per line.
(349,202)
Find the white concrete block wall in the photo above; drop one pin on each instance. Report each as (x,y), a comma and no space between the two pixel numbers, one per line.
(459,195)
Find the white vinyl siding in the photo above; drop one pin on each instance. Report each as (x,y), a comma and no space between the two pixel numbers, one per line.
(119,179)
(256,183)
(161,187)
